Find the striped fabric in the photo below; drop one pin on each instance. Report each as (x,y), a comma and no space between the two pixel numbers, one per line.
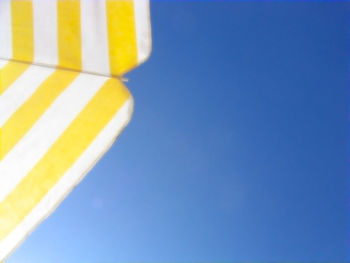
(107,37)
(61,103)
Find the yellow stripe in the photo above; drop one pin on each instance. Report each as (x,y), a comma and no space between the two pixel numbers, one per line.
(22,30)
(69,36)
(9,73)
(121,35)
(62,155)
(29,112)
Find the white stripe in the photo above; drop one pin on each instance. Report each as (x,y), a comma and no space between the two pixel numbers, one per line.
(95,56)
(46,131)
(5,29)
(143,29)
(2,64)
(45,31)
(76,173)
(21,90)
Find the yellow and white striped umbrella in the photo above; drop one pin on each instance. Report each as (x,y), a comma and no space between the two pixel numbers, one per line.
(62,104)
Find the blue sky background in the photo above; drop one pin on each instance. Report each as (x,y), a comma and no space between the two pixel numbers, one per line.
(237,150)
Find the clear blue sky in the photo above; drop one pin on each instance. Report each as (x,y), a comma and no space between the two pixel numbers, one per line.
(237,150)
